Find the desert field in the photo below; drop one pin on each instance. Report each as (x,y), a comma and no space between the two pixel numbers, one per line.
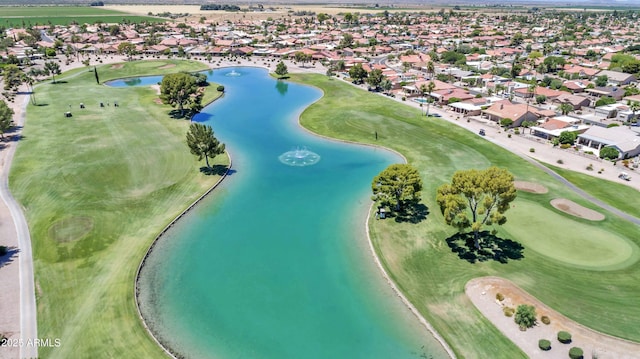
(277,12)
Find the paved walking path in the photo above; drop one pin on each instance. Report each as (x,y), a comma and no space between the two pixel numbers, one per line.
(27,296)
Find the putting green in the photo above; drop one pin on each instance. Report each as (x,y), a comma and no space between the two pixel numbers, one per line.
(566,240)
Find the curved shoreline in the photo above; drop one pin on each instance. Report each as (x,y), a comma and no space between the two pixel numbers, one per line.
(374,254)
(402,297)
(376,259)
(136,289)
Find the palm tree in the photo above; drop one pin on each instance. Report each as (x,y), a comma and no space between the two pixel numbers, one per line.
(430,87)
(634,107)
(431,69)
(52,68)
(532,90)
(29,80)
(423,91)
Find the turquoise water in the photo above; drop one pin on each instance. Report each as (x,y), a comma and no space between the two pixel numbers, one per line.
(275,263)
(135,81)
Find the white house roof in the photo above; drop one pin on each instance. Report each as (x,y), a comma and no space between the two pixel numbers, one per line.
(621,137)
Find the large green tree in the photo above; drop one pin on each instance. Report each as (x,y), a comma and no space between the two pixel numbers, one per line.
(6,118)
(13,78)
(374,79)
(476,198)
(397,186)
(357,73)
(178,90)
(281,69)
(127,48)
(203,143)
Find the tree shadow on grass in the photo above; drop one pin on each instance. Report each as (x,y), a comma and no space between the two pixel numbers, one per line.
(218,170)
(412,213)
(491,248)
(179,115)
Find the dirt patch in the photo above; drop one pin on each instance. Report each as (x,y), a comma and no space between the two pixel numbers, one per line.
(157,101)
(167,66)
(157,88)
(531,187)
(71,228)
(482,292)
(575,209)
(117,66)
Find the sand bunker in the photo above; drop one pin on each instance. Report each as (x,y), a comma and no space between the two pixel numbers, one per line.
(117,66)
(167,66)
(530,187)
(577,210)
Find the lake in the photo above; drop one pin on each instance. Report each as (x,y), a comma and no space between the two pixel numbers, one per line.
(275,262)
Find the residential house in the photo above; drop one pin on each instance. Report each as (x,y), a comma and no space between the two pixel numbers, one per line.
(626,141)
(576,101)
(470,107)
(444,96)
(599,92)
(516,112)
(618,78)
(551,128)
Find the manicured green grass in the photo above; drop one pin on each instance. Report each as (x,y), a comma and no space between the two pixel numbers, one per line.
(586,245)
(53,11)
(615,194)
(97,188)
(21,22)
(22,16)
(419,259)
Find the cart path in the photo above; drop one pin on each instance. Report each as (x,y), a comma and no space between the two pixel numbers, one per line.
(28,309)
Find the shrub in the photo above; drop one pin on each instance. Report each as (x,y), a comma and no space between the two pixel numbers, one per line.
(532,150)
(609,153)
(590,167)
(575,353)
(564,146)
(564,337)
(3,250)
(516,131)
(506,122)
(404,98)
(560,162)
(509,135)
(220,88)
(544,344)
(499,296)
(545,319)
(526,316)
(508,311)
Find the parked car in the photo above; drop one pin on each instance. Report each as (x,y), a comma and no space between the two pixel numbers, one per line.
(625,176)
(481,132)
